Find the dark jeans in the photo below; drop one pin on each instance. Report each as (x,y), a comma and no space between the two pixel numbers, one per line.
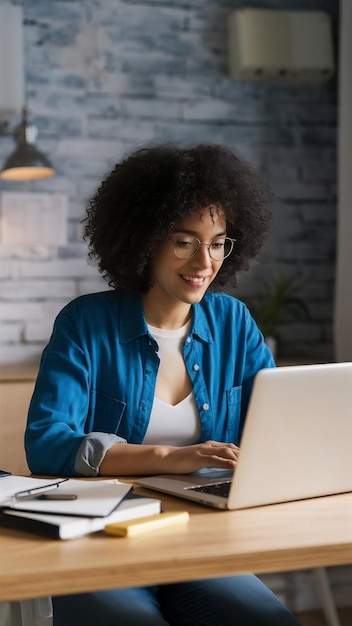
(230,601)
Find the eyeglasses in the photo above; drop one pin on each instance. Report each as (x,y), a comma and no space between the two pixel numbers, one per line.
(187,246)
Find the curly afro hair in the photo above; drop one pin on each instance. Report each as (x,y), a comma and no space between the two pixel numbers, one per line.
(154,189)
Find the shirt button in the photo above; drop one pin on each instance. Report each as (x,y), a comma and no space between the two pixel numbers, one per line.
(188,340)
(196,367)
(206,406)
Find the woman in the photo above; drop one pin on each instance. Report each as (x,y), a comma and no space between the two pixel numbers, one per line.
(159,360)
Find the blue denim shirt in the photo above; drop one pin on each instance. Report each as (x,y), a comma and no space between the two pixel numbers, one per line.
(99,369)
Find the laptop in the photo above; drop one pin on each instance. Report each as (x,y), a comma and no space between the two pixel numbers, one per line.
(296,443)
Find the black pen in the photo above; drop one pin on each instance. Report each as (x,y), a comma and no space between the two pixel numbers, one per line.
(35,491)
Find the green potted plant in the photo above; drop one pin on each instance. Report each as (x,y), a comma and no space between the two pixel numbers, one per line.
(278,301)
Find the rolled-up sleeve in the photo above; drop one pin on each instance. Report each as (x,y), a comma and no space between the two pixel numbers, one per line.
(92,451)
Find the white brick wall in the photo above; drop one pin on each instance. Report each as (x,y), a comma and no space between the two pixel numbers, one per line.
(105,77)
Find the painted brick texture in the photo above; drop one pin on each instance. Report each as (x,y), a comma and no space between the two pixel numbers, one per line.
(104,77)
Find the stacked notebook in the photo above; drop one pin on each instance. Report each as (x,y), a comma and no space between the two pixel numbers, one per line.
(69,508)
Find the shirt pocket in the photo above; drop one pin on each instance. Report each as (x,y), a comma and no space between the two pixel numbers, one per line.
(233,398)
(107,412)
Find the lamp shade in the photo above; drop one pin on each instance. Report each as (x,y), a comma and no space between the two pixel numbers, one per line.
(26,162)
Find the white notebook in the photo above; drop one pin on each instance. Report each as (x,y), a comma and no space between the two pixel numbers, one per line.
(71,527)
(93,498)
(97,503)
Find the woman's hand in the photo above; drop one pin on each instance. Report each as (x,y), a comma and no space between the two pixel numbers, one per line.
(192,458)
(125,459)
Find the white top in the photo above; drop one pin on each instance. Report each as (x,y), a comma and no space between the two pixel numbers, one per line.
(177,425)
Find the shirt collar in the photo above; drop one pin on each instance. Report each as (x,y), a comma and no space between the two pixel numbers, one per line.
(201,326)
(133,323)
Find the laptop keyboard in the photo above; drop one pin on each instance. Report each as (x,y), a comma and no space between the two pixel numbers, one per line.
(216,489)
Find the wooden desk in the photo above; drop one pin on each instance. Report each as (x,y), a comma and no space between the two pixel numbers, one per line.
(305,534)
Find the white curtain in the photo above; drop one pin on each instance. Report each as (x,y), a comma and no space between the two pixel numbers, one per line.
(343,284)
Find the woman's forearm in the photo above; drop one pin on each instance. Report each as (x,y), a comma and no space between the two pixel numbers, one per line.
(124,459)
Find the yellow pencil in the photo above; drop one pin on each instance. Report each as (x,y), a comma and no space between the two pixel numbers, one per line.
(130,528)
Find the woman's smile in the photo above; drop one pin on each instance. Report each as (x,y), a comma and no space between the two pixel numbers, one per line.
(197,281)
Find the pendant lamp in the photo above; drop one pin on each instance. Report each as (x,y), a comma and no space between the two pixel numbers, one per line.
(27,162)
